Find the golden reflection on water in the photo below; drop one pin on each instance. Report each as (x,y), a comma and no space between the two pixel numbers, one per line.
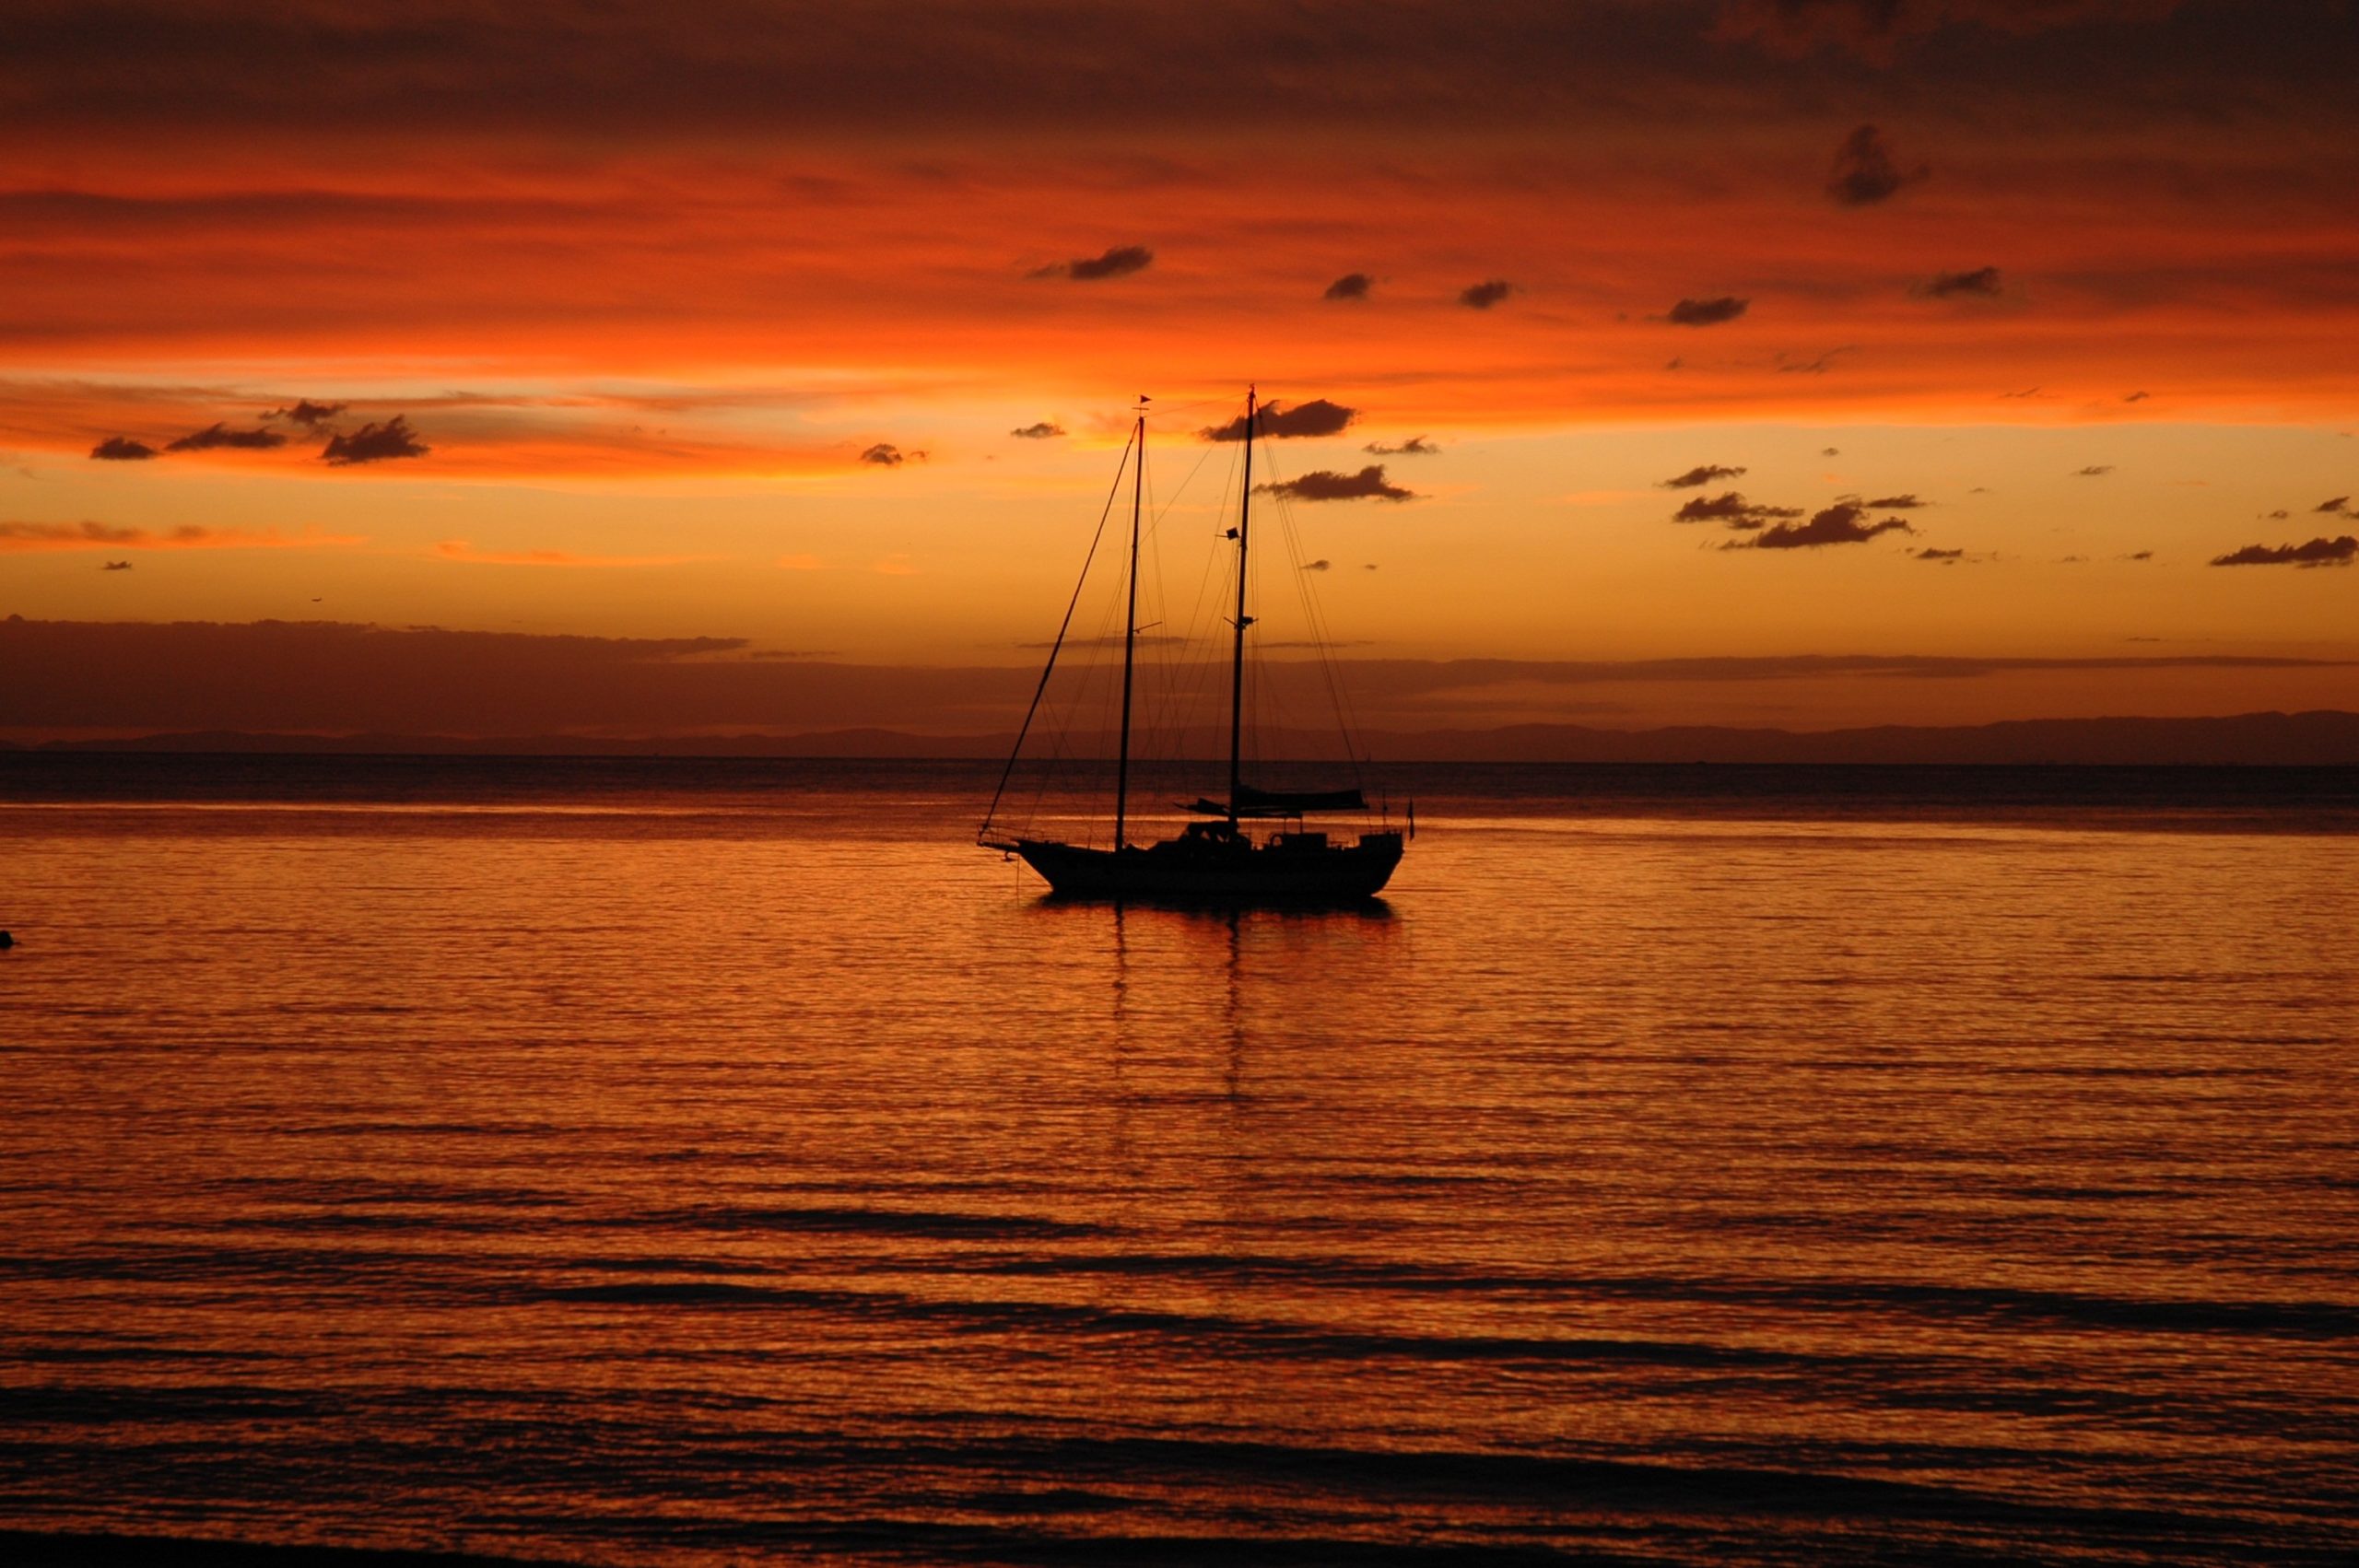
(655,1186)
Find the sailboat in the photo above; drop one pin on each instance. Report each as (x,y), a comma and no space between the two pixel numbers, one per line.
(1216,860)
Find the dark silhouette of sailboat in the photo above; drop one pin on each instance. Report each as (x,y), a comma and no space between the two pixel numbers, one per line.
(1216,860)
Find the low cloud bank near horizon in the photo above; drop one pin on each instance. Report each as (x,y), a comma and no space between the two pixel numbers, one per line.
(327,677)
(19,537)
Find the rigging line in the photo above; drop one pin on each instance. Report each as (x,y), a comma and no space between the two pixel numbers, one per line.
(1068,715)
(1084,788)
(1103,668)
(1161,670)
(1212,612)
(1057,646)
(1339,697)
(1193,686)
(1338,690)
(1210,447)
(1346,720)
(1190,668)
(1222,398)
(1323,645)
(1152,669)
(1084,705)
(1208,670)
(1291,537)
(1159,509)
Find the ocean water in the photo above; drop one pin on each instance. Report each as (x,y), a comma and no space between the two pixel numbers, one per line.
(706,1162)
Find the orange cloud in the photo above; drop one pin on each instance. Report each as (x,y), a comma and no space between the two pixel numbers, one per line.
(26,537)
(618,290)
(692,273)
(569,432)
(460,550)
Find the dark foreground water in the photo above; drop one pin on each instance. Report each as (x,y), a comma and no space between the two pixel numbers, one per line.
(692,1162)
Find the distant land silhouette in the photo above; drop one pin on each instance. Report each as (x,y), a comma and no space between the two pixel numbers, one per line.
(85,678)
(2325,738)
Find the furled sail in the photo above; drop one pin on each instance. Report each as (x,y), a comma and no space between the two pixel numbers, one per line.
(1283,803)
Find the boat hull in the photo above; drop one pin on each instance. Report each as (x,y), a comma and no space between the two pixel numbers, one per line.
(1232,875)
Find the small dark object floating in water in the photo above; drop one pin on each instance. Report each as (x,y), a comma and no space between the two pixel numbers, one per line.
(6,941)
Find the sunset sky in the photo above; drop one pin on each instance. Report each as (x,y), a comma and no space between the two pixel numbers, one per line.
(2004,357)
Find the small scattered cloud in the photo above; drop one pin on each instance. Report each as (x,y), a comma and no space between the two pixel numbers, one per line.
(1864,172)
(115,567)
(1043,430)
(2280,515)
(1707,312)
(2337,552)
(1980,283)
(1733,510)
(2136,397)
(1844,522)
(1817,366)
(2339,505)
(1324,485)
(1284,421)
(1892,503)
(2139,555)
(1702,473)
(1830,452)
(1415,446)
(2094,471)
(122,448)
(1947,558)
(884,455)
(1120,262)
(1351,286)
(218,435)
(1483,295)
(374,443)
(1319,566)
(2028,391)
(310,415)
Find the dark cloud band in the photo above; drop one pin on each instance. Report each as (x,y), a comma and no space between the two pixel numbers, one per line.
(2340,550)
(374,443)
(1287,421)
(1325,485)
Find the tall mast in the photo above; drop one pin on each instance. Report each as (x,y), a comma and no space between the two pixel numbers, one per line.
(1237,660)
(1131,632)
